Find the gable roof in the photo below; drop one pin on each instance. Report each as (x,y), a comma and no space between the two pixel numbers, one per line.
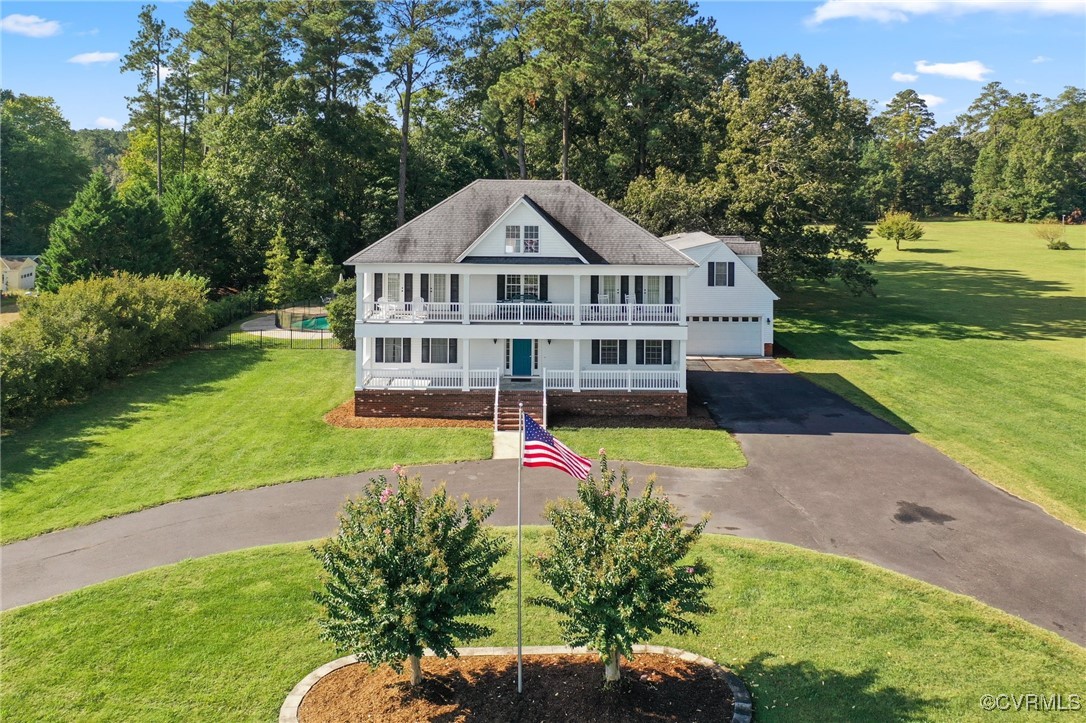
(595,230)
(693,239)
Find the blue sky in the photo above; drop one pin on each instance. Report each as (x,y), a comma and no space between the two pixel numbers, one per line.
(944,50)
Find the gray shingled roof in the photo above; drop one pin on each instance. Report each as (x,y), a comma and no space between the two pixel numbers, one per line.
(599,233)
(692,239)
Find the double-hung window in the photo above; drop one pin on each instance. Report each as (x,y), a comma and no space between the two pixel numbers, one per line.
(653,352)
(393,288)
(721,273)
(531,239)
(609,351)
(521,239)
(512,239)
(439,351)
(524,286)
(391,350)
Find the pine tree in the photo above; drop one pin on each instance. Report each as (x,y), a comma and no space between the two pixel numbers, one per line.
(84,240)
(147,55)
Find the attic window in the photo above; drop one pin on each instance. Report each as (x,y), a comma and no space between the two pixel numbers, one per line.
(513,240)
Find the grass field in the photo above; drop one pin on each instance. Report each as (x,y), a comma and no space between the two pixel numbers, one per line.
(975,343)
(213,421)
(816,637)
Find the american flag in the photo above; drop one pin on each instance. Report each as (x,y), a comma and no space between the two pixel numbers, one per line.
(541,449)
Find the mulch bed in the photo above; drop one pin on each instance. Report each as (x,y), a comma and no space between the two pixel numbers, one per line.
(343,416)
(556,688)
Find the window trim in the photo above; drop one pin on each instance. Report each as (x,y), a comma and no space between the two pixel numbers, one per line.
(512,243)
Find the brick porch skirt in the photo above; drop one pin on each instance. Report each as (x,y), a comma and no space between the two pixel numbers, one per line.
(480,404)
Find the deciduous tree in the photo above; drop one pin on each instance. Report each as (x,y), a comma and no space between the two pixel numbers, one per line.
(405,572)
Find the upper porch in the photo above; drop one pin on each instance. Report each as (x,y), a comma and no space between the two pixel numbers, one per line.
(533,296)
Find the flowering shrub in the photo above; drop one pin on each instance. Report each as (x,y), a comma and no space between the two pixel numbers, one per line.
(404,569)
(616,565)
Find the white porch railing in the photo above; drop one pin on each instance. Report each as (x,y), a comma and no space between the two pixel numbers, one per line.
(427,379)
(522,312)
(616,379)
(516,312)
(630,313)
(384,311)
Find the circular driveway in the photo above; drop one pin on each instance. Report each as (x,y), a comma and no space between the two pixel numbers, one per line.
(823,474)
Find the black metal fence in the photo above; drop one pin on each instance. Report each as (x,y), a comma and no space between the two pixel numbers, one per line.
(268,339)
(308,315)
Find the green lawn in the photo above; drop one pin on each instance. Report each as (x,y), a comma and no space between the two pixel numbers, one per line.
(206,422)
(816,637)
(213,421)
(713,448)
(975,343)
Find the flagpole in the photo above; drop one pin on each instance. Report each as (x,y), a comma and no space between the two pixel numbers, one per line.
(520,638)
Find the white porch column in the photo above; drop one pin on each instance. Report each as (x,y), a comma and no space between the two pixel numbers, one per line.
(360,358)
(682,365)
(577,363)
(577,300)
(465,299)
(679,291)
(465,355)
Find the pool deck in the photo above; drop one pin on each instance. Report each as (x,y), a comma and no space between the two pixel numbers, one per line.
(266,325)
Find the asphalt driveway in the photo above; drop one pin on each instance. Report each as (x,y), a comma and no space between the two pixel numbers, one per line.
(823,474)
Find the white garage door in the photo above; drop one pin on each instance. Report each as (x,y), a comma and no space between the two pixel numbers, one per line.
(724,336)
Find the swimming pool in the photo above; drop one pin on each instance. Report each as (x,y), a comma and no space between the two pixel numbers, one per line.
(317,323)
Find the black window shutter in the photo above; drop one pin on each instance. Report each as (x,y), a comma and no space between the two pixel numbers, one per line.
(378,286)
(407,294)
(625,289)
(379,350)
(406,349)
(452,351)
(712,273)
(543,288)
(594,294)
(731,273)
(669,289)
(424,286)
(501,287)
(595,350)
(425,351)
(640,351)
(639,289)
(622,344)
(667,351)
(454,288)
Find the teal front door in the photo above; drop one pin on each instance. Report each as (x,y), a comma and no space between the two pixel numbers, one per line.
(522,358)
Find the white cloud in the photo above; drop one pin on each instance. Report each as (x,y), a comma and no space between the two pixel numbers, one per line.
(30,25)
(899,11)
(164,72)
(968,70)
(92,31)
(1041,59)
(904,77)
(95,57)
(932,100)
(104,122)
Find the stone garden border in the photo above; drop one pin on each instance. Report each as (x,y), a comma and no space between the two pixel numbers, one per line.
(742,708)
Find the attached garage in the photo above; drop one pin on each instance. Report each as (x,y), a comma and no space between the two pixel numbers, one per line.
(724,336)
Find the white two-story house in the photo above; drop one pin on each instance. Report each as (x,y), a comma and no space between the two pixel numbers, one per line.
(521,291)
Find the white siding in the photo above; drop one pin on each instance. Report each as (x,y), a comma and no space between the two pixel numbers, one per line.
(550,243)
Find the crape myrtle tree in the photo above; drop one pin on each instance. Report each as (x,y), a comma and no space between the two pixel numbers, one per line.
(403,571)
(618,567)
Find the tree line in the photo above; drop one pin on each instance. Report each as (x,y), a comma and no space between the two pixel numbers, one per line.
(269,132)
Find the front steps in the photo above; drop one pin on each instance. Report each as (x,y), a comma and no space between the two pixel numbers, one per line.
(509,410)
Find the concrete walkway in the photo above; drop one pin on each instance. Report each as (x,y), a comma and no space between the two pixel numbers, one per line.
(823,475)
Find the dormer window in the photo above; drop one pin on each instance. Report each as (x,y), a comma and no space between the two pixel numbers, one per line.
(528,243)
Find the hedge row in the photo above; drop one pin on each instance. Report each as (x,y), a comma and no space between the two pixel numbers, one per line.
(66,344)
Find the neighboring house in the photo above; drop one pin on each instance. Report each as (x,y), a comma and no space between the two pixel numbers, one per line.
(523,291)
(729,309)
(19,273)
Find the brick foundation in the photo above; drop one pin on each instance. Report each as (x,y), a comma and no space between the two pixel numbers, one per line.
(767,349)
(480,404)
(618,404)
(437,404)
